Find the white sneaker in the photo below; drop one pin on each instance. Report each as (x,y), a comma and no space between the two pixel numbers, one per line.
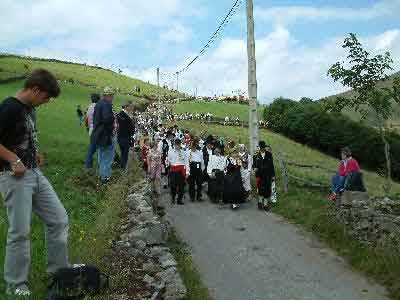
(19,292)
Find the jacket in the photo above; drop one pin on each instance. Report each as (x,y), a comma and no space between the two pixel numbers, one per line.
(125,129)
(103,124)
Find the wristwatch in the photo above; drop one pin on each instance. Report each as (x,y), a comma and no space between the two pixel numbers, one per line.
(16,162)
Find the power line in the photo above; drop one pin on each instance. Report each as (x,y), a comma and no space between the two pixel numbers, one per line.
(214,36)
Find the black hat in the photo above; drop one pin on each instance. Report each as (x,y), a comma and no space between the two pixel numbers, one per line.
(262,145)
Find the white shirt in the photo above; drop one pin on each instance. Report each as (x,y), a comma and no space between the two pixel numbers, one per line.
(178,158)
(196,156)
(216,162)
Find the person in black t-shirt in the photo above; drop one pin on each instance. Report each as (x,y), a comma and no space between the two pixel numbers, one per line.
(24,188)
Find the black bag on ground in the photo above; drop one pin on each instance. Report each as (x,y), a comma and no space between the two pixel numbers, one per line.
(75,283)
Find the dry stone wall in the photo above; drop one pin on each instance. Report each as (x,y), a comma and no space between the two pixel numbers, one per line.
(144,234)
(373,221)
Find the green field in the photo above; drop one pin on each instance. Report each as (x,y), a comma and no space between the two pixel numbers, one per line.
(13,65)
(219,110)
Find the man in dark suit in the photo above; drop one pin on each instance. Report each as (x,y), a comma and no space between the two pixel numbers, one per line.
(125,132)
(103,133)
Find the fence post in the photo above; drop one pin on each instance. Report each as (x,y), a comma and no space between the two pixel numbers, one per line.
(285,177)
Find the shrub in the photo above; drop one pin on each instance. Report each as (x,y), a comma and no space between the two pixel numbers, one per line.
(311,125)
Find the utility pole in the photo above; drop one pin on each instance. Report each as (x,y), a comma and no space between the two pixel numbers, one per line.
(252,78)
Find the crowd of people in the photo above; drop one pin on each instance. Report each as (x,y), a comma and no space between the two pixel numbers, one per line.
(174,157)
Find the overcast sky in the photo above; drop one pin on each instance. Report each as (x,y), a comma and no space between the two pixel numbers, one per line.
(296,41)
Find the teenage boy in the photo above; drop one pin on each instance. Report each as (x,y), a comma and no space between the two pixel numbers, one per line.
(24,188)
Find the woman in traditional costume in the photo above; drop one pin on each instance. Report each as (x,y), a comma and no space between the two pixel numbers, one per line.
(233,184)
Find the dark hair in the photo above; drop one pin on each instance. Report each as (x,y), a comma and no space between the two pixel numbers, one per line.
(95,97)
(346,151)
(44,81)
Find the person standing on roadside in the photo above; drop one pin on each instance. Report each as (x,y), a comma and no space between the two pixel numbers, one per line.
(23,186)
(103,133)
(89,120)
(125,132)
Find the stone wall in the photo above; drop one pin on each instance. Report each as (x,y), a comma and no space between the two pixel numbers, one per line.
(145,235)
(373,221)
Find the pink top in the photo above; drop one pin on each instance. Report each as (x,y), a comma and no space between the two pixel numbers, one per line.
(347,166)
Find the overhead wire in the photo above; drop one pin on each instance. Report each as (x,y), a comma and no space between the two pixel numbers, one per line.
(226,20)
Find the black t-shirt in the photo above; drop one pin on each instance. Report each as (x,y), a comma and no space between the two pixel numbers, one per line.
(18,131)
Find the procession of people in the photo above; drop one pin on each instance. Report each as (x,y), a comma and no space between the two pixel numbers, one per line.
(202,164)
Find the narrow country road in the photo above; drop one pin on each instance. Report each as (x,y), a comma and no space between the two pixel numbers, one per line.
(253,255)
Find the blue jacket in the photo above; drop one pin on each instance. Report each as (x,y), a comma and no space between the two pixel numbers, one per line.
(103,124)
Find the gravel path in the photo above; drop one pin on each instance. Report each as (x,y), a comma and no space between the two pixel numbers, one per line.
(248,254)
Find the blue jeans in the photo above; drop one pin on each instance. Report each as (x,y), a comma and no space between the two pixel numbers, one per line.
(89,157)
(106,158)
(338,183)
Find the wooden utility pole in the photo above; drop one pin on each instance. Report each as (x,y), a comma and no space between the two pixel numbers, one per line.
(252,78)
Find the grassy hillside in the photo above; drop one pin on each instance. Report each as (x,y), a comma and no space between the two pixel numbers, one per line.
(86,75)
(395,119)
(220,110)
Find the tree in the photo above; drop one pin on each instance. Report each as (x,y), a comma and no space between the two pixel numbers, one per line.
(306,100)
(363,76)
(274,112)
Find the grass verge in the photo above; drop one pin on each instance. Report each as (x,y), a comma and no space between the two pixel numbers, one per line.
(191,277)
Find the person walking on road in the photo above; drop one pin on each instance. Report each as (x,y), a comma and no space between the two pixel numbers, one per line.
(24,188)
(196,165)
(178,163)
(265,174)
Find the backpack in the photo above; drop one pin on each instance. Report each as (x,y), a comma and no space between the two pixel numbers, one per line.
(75,283)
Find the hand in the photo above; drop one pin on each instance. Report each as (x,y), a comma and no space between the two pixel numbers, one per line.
(39,159)
(18,169)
